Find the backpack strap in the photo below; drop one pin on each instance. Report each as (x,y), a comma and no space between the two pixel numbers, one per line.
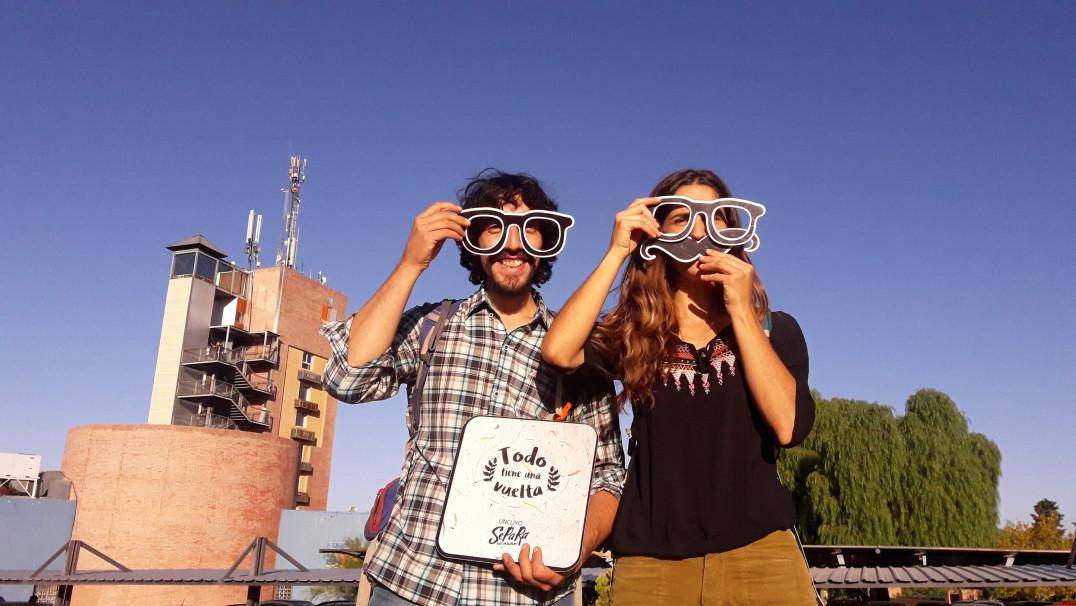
(428,336)
(433,323)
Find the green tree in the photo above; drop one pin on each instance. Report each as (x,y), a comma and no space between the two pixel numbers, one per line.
(1047,518)
(847,474)
(867,477)
(951,488)
(1045,532)
(602,585)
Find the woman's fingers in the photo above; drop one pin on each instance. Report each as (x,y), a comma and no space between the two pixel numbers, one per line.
(635,222)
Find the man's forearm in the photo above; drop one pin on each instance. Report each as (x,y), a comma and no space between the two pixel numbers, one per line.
(600,515)
(374,326)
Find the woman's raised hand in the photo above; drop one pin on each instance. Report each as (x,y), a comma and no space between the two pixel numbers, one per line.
(734,274)
(632,226)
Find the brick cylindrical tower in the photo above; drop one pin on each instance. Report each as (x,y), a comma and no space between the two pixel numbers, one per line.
(162,496)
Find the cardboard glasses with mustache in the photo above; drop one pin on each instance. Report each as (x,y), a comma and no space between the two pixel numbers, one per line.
(496,224)
(677,216)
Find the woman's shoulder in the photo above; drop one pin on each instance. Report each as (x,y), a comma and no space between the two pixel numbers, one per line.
(785,326)
(782,317)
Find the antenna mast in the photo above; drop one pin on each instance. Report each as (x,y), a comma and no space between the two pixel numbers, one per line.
(254,237)
(289,240)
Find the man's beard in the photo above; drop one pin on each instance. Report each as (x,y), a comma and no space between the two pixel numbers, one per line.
(512,286)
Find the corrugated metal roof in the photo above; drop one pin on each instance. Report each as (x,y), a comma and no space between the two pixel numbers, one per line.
(883,555)
(320,576)
(832,566)
(314,576)
(943,576)
(824,577)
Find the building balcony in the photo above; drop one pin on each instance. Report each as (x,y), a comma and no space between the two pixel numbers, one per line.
(262,355)
(222,396)
(310,376)
(303,435)
(259,348)
(302,499)
(203,419)
(305,467)
(306,405)
(232,364)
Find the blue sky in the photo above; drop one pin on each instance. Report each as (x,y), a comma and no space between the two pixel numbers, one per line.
(917,160)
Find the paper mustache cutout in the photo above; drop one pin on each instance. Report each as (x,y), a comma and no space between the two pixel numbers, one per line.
(677,216)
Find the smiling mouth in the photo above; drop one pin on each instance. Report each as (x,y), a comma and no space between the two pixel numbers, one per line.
(513,263)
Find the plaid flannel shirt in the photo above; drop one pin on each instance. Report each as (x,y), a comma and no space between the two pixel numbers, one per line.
(478,369)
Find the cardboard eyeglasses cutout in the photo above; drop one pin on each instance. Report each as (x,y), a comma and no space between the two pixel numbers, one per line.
(678,214)
(551,226)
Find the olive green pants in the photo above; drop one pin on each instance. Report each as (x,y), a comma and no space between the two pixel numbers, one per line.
(770,571)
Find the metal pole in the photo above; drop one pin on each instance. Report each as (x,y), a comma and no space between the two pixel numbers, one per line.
(254,595)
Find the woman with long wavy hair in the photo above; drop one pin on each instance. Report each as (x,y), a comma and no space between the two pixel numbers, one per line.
(703,518)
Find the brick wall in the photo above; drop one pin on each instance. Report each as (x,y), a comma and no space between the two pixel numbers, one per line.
(153,496)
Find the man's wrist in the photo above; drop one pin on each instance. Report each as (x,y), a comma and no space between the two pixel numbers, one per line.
(407,270)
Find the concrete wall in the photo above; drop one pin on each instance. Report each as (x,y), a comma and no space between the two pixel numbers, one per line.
(31,530)
(155,496)
(188,309)
(169,351)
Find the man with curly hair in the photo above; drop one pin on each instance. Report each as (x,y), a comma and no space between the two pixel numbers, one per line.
(487,362)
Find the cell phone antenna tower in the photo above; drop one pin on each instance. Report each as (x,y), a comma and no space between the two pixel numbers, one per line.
(289,239)
(254,236)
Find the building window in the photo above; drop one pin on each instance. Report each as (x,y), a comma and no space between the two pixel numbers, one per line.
(308,361)
(206,268)
(183,264)
(304,393)
(300,418)
(306,453)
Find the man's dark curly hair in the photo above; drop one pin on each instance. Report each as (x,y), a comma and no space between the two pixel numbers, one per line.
(492,187)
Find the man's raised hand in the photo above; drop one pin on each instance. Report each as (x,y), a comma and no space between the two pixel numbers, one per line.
(431,228)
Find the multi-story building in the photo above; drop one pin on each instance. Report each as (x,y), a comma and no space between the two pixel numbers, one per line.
(240,350)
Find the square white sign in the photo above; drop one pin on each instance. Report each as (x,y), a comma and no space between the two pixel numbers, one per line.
(519,481)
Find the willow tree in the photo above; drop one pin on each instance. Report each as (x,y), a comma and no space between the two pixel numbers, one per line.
(866,477)
(847,475)
(951,480)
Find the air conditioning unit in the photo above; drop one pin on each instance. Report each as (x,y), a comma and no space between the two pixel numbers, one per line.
(24,467)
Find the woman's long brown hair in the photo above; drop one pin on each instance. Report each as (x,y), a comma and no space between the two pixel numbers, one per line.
(643,329)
